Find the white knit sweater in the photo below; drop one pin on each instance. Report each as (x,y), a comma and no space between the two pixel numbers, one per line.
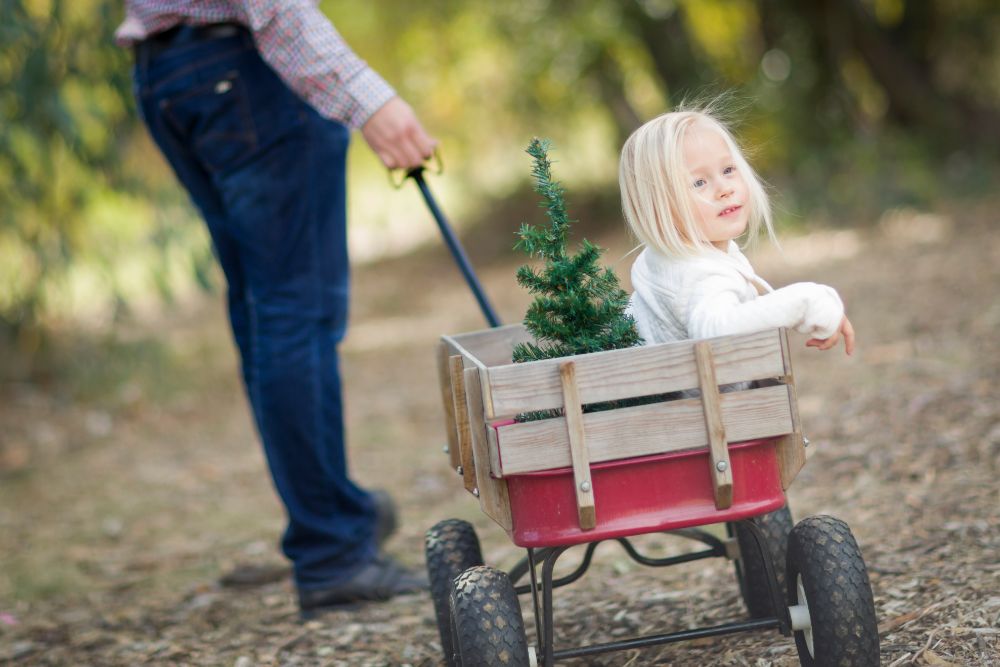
(718,294)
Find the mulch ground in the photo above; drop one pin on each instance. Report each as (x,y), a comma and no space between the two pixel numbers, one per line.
(118,516)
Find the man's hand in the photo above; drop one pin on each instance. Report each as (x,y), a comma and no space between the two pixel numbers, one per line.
(845,330)
(397,137)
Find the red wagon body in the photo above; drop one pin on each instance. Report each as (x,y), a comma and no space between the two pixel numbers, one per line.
(642,495)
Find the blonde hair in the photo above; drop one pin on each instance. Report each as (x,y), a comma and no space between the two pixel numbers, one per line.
(656,194)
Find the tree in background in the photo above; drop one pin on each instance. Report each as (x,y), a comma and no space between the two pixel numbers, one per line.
(84,205)
(579,307)
(856,105)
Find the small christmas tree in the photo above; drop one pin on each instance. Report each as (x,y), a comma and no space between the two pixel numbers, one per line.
(579,307)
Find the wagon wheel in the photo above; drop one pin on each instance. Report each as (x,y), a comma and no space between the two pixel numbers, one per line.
(451,547)
(750,570)
(832,609)
(486,620)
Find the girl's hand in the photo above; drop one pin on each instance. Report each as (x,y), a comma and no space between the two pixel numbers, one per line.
(845,330)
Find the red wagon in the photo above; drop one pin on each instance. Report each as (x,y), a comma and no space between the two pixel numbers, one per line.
(650,439)
(641,440)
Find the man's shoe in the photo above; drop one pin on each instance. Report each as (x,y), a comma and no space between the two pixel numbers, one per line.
(250,575)
(378,581)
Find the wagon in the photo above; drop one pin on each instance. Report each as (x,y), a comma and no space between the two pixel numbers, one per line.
(582,449)
(611,445)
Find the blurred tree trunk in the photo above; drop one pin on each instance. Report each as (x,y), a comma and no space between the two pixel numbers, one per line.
(611,84)
(678,62)
(897,59)
(913,96)
(913,100)
(819,40)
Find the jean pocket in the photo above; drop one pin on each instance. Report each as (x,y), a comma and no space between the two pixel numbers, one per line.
(214,120)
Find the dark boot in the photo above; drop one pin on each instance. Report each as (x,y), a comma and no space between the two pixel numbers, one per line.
(249,575)
(380,580)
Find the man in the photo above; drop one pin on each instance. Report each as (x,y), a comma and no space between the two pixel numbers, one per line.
(252,102)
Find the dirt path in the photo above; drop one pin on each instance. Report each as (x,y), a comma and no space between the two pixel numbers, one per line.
(113,534)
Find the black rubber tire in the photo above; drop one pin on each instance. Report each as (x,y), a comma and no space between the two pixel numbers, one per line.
(451,548)
(487,622)
(750,571)
(844,633)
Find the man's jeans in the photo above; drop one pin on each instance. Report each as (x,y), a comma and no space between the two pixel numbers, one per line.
(268,175)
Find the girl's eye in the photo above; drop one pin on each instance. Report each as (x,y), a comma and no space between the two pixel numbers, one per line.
(700,182)
(729,170)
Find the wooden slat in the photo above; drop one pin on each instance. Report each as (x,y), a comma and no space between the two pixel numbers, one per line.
(790,449)
(494,448)
(638,371)
(493,498)
(478,348)
(718,449)
(461,411)
(645,429)
(445,381)
(490,347)
(572,407)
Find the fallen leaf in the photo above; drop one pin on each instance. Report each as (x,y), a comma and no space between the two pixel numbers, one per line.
(933,658)
(894,623)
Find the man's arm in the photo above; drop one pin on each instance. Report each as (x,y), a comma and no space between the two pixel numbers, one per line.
(303,47)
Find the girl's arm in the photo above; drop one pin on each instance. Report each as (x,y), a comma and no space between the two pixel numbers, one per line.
(715,309)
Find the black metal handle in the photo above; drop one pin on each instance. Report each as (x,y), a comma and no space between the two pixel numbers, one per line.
(417,174)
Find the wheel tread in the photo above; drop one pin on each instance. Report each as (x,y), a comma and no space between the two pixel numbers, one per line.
(845,629)
(451,547)
(776,526)
(487,619)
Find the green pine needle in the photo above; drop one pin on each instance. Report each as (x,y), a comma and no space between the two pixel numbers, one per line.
(579,306)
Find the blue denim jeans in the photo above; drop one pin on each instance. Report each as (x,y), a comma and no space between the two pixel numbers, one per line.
(268,175)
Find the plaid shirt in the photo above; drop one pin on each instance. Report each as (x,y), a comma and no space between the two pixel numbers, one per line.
(292,36)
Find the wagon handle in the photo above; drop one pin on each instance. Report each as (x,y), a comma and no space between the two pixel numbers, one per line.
(398,176)
(417,174)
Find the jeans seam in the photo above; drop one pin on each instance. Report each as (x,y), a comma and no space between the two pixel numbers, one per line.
(317,295)
(254,383)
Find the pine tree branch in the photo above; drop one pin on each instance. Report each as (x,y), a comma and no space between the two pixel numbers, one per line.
(579,306)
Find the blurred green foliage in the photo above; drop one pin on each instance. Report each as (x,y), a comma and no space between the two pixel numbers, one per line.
(88,223)
(849,107)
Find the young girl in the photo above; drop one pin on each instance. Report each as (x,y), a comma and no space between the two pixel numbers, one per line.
(687,193)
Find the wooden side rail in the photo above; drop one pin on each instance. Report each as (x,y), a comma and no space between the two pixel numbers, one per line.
(791,448)
(445,378)
(465,462)
(579,454)
(645,429)
(718,448)
(503,390)
(638,371)
(493,498)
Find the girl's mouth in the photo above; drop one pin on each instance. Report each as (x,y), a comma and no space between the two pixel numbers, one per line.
(729,210)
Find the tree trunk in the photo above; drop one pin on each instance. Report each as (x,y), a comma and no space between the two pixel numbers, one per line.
(611,83)
(913,97)
(678,64)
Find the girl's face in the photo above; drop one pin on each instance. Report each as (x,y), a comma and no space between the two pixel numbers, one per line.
(718,192)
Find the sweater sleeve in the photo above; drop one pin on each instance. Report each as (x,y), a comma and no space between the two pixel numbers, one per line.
(715,309)
(297,40)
